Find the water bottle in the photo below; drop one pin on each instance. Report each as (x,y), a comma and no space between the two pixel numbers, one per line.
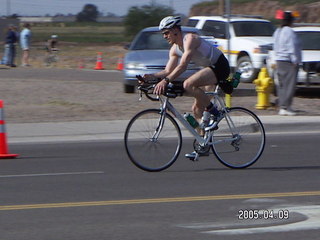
(236,79)
(191,120)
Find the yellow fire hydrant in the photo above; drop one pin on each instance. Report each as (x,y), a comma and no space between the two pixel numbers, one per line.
(264,85)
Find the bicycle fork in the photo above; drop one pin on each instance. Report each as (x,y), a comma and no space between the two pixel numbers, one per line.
(159,128)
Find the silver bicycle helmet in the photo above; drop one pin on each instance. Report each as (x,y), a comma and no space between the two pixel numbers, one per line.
(169,22)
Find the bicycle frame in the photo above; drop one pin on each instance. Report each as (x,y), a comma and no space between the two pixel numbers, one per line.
(235,135)
(168,106)
(203,141)
(229,121)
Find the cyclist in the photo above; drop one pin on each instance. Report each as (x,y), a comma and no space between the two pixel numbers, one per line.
(51,44)
(186,48)
(51,50)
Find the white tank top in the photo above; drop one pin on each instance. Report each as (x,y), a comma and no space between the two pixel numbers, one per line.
(206,54)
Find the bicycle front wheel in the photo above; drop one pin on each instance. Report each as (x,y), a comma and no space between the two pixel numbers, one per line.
(240,139)
(151,145)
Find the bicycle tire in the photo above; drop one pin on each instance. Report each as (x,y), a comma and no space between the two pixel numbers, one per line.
(248,139)
(146,152)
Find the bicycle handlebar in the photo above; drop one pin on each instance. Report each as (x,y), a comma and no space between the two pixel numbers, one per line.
(172,90)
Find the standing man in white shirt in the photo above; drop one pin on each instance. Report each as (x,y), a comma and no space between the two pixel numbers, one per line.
(287,49)
(25,41)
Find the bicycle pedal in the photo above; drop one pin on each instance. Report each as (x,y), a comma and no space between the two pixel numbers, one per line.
(194,156)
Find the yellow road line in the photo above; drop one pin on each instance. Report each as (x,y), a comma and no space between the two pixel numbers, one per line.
(158,200)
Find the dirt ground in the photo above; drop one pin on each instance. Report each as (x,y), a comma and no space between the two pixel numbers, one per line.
(54,95)
(75,55)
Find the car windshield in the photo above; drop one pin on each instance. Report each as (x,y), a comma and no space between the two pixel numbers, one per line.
(192,22)
(150,41)
(309,40)
(251,28)
(154,40)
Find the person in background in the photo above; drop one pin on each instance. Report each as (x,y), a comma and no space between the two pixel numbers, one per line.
(16,31)
(52,44)
(25,40)
(10,47)
(4,59)
(287,49)
(12,39)
(51,50)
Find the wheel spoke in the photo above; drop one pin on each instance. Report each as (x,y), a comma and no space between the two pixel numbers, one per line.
(242,146)
(150,145)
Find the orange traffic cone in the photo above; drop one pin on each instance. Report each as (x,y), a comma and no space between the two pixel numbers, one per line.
(99,62)
(120,64)
(3,137)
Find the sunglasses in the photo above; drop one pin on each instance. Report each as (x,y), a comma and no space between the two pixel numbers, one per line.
(165,32)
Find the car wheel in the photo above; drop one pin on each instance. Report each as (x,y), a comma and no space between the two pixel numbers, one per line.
(249,73)
(129,88)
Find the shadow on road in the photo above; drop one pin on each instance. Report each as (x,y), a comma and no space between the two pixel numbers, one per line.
(222,169)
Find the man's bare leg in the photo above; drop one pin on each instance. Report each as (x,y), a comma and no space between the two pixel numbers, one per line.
(207,80)
(25,57)
(192,86)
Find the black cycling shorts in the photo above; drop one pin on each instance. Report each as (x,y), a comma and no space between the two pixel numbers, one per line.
(221,68)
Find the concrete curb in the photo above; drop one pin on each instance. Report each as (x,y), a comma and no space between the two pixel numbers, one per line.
(114,130)
(66,131)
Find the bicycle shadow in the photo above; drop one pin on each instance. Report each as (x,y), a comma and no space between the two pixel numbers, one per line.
(225,169)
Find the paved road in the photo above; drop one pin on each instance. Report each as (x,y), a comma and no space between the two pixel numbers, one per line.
(89,190)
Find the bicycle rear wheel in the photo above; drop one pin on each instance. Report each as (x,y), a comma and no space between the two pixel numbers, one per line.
(150,146)
(240,139)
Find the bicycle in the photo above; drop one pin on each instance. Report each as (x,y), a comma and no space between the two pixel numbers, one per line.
(51,57)
(153,137)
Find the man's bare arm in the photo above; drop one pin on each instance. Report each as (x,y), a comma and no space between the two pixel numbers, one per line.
(171,64)
(190,44)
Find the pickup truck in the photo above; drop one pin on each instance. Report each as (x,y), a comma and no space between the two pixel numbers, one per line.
(250,40)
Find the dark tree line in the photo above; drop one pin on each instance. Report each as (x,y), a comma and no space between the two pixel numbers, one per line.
(89,13)
(136,19)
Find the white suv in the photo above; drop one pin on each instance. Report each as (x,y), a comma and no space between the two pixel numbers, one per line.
(250,40)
